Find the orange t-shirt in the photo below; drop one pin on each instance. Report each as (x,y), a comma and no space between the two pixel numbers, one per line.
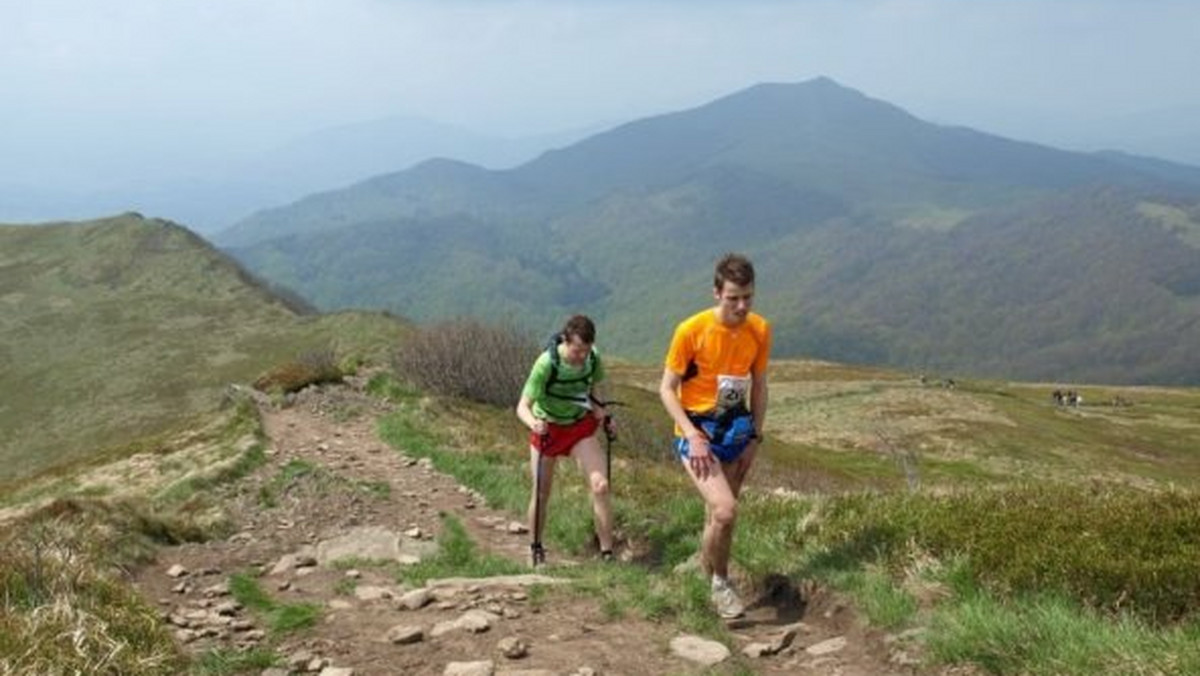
(727,359)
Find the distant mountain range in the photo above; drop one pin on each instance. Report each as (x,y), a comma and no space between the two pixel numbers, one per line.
(879,238)
(39,183)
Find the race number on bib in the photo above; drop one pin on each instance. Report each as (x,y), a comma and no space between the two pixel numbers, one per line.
(731,392)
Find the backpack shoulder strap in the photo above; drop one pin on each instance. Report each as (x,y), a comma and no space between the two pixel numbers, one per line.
(556,361)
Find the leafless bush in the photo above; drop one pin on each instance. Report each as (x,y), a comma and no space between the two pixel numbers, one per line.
(468,359)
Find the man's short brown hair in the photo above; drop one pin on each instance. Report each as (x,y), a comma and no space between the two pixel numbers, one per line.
(581,327)
(734,268)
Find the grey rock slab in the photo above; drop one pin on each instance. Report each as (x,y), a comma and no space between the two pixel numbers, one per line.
(481,668)
(512,647)
(404,634)
(527,580)
(827,647)
(473,621)
(415,599)
(373,593)
(699,650)
(371,543)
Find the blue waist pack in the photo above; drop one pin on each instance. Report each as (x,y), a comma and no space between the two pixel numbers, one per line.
(727,433)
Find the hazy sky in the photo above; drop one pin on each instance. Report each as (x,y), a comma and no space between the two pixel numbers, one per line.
(198,74)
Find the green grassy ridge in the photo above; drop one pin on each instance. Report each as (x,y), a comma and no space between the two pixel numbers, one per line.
(981,432)
(126,328)
(1037,578)
(1085,541)
(1117,550)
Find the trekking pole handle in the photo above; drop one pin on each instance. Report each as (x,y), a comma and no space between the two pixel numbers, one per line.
(610,430)
(605,404)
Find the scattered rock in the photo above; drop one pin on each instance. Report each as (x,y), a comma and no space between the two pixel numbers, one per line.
(286,564)
(774,647)
(372,593)
(512,647)
(299,659)
(484,668)
(403,634)
(699,650)
(754,650)
(473,621)
(216,590)
(415,599)
(228,608)
(517,528)
(501,581)
(364,542)
(176,571)
(832,645)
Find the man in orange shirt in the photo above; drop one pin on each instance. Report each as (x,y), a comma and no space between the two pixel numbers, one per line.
(714,386)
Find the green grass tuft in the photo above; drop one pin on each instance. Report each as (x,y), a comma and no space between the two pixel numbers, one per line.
(280,618)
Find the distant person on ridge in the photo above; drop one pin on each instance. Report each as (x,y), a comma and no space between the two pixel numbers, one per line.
(561,407)
(714,386)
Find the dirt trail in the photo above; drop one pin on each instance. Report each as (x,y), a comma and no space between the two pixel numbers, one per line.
(352,482)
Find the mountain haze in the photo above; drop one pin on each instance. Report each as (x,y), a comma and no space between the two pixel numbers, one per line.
(879,238)
(212,183)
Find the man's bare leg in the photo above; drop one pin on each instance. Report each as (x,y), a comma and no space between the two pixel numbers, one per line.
(590,457)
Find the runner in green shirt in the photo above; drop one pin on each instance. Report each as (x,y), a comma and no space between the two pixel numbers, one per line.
(561,407)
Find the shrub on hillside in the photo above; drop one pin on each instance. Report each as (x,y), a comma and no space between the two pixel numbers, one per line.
(309,368)
(468,359)
(1112,549)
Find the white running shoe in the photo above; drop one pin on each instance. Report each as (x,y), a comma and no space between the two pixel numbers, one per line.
(726,600)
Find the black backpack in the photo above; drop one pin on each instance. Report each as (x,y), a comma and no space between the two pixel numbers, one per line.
(589,369)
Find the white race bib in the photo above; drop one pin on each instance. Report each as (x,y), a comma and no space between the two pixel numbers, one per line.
(732,391)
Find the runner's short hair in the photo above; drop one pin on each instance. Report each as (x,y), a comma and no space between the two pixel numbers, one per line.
(580,326)
(734,268)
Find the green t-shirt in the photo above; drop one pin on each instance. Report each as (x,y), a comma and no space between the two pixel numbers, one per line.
(570,402)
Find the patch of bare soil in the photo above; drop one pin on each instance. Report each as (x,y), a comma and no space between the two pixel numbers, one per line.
(330,476)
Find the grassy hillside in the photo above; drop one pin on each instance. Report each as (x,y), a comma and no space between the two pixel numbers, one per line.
(845,427)
(986,527)
(117,330)
(1009,534)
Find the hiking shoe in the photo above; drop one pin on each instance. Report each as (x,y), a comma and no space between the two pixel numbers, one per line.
(726,600)
(607,556)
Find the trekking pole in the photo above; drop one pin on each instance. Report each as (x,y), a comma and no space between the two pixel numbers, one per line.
(610,435)
(536,551)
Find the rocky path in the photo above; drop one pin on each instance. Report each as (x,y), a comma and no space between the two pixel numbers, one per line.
(333,498)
